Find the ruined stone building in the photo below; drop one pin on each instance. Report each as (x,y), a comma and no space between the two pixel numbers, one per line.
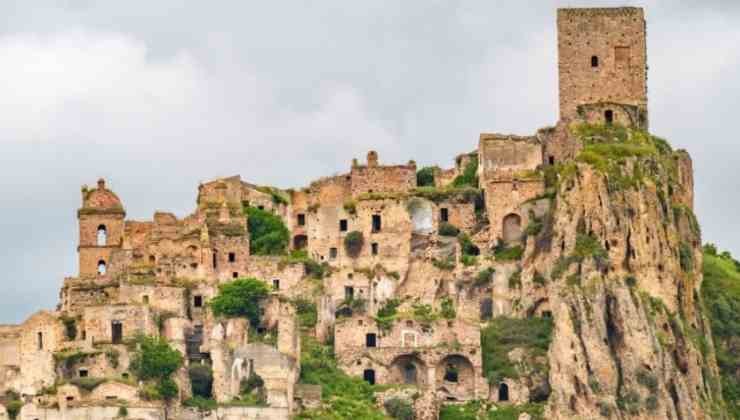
(410,273)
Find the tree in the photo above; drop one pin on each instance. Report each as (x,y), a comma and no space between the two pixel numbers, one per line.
(155,359)
(425,177)
(240,298)
(267,232)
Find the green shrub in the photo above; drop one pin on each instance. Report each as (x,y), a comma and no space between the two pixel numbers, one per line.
(425,177)
(505,334)
(447,308)
(534,227)
(469,177)
(399,409)
(483,277)
(631,281)
(350,207)
(14,408)
(240,298)
(155,359)
(387,314)
(503,252)
(446,265)
(353,243)
(468,260)
(424,313)
(122,411)
(515,280)
(87,383)
(267,232)
(448,229)
(306,311)
(201,380)
(629,402)
(167,388)
(467,247)
(589,246)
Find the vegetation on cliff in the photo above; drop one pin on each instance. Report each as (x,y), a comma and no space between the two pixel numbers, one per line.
(267,232)
(155,361)
(480,410)
(503,335)
(721,293)
(345,397)
(240,298)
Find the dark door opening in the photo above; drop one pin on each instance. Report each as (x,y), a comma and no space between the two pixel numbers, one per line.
(609,116)
(369,376)
(116,332)
(377,225)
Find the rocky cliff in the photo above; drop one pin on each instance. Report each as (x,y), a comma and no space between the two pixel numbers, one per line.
(620,253)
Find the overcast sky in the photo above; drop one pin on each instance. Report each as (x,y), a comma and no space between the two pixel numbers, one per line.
(155,97)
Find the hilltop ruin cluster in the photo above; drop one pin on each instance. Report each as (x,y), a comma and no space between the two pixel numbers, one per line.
(400,271)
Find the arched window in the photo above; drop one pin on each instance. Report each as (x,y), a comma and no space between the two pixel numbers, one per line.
(512,228)
(503,392)
(102,235)
(594,61)
(101,267)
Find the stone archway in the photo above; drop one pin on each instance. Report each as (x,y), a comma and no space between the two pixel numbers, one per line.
(455,377)
(512,228)
(408,369)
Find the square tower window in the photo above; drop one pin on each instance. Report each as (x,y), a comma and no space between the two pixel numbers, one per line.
(116,332)
(374,247)
(301,219)
(343,225)
(444,214)
(198,301)
(332,253)
(82,373)
(349,292)
(232,257)
(234,274)
(276,284)
(377,224)
(594,61)
(370,340)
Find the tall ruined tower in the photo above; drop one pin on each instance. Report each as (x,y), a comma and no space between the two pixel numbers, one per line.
(101,229)
(602,62)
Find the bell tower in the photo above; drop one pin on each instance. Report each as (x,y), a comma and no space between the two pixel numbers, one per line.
(101,222)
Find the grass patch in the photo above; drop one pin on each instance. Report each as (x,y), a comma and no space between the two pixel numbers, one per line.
(477,410)
(346,397)
(505,334)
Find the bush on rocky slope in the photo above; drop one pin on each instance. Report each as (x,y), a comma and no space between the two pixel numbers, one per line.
(721,293)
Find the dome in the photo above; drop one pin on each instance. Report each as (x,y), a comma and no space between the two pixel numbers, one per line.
(101,198)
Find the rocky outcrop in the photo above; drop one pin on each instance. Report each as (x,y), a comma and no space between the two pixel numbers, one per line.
(621,255)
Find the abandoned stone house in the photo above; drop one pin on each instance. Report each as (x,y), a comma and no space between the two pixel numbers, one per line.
(156,277)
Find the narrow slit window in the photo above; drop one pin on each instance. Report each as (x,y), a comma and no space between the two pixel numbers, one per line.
(374,248)
(377,223)
(594,61)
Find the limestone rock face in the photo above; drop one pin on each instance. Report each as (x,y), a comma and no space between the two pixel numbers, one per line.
(623,269)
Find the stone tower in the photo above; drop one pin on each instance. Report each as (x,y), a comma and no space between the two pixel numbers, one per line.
(602,62)
(101,229)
